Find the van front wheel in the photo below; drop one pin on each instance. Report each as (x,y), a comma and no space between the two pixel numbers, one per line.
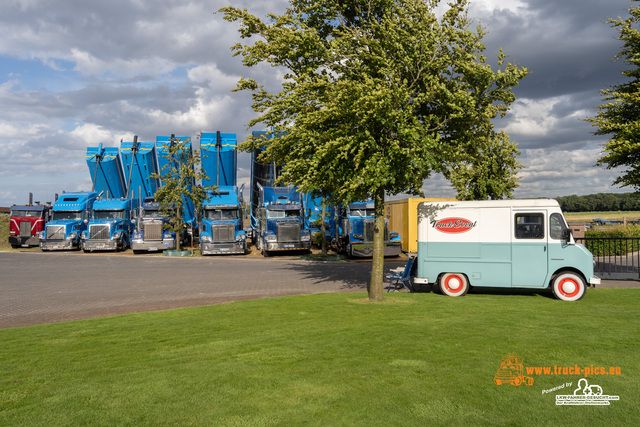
(454,284)
(568,286)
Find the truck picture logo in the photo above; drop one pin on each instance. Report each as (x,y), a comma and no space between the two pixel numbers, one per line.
(453,225)
(511,371)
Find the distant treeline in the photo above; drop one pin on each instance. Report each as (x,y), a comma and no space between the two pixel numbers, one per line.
(600,202)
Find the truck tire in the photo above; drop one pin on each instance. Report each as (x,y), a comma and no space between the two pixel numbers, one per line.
(568,286)
(454,284)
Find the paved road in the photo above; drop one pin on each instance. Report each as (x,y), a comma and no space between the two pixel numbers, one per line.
(38,287)
(52,287)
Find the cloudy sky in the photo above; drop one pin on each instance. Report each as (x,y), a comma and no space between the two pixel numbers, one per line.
(74,73)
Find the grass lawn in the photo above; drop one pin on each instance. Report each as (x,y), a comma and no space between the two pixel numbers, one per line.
(611,216)
(327,360)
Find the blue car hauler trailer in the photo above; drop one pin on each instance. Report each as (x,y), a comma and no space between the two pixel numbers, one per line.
(111,225)
(139,161)
(354,235)
(68,221)
(219,157)
(221,228)
(106,171)
(502,244)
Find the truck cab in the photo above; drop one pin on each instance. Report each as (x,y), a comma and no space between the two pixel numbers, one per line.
(355,224)
(313,217)
(152,233)
(67,223)
(280,224)
(111,225)
(221,228)
(26,223)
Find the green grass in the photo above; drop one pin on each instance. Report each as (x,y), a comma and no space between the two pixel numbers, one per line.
(326,360)
(609,215)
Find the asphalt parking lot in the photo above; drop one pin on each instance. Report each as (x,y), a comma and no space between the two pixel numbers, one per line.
(38,287)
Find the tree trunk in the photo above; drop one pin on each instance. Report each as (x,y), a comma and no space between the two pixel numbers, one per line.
(377,266)
(323,229)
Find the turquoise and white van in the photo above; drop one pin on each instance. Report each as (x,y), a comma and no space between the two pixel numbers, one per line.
(502,244)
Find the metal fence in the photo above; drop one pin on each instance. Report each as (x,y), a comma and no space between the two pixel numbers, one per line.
(616,257)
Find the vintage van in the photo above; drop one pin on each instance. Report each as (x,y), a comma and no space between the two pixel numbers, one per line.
(502,244)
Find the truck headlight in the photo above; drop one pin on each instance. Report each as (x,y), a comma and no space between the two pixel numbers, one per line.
(305,237)
(271,237)
(137,235)
(241,237)
(83,236)
(205,239)
(167,235)
(358,236)
(73,235)
(117,235)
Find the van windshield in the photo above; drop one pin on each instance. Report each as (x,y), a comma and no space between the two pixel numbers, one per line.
(57,215)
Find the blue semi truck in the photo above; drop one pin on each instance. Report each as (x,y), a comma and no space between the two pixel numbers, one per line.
(111,225)
(354,235)
(69,213)
(279,225)
(221,228)
(152,234)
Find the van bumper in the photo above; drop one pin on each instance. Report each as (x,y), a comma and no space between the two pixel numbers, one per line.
(594,281)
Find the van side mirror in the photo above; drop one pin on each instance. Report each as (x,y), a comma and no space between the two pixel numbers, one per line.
(566,234)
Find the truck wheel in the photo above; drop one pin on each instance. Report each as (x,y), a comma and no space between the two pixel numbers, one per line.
(568,286)
(454,284)
(517,381)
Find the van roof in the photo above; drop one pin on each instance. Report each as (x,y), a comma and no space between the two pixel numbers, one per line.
(512,203)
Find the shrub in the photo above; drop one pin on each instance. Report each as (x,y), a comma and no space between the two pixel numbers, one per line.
(599,243)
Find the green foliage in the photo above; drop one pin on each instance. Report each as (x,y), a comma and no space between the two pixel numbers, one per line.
(600,202)
(377,96)
(313,360)
(179,178)
(618,115)
(615,247)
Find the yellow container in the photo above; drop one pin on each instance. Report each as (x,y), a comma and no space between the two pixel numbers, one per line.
(403,218)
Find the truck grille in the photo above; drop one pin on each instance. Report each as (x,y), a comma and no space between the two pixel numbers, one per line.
(153,231)
(25,229)
(99,232)
(288,232)
(223,233)
(55,232)
(368,231)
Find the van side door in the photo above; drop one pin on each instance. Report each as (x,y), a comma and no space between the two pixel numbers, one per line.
(529,249)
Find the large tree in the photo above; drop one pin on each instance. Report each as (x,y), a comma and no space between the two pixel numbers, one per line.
(619,115)
(377,95)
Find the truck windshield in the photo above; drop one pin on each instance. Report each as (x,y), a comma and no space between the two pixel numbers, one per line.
(67,215)
(108,215)
(27,214)
(283,214)
(363,212)
(150,213)
(221,214)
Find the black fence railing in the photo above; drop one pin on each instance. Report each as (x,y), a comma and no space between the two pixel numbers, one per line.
(616,257)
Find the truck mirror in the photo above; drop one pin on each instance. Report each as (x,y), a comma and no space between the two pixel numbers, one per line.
(566,234)
(86,221)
